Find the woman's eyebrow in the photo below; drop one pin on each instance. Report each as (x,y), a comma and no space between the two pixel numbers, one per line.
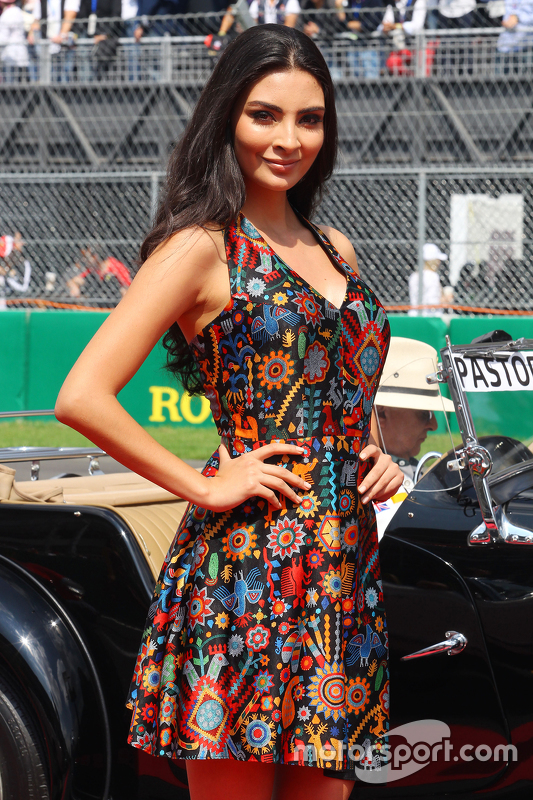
(280,110)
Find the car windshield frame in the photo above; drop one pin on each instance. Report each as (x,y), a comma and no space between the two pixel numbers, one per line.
(473,455)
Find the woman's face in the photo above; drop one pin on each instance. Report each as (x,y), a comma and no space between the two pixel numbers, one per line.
(278,129)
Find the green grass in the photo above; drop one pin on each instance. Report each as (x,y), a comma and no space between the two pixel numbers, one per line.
(440,442)
(188,442)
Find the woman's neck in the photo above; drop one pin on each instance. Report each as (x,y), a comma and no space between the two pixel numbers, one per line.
(271,213)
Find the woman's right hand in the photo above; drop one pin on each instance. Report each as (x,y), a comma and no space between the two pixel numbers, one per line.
(247,476)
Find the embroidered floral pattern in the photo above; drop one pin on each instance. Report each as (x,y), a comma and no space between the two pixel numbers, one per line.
(265,621)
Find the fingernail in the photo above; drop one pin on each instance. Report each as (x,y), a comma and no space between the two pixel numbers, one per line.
(300,449)
(307,485)
(362,488)
(366,499)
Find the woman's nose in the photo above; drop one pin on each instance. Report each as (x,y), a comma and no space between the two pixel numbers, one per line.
(287,136)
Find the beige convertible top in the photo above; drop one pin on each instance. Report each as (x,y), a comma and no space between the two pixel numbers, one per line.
(152,513)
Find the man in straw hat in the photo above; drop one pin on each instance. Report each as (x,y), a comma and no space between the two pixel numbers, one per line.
(405,403)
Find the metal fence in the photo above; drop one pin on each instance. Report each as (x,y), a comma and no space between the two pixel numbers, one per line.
(435,146)
(185,58)
(82,233)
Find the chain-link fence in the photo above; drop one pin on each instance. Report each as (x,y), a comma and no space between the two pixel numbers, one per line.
(82,234)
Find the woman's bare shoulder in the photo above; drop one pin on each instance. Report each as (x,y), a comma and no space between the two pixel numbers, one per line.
(201,247)
(341,243)
(176,278)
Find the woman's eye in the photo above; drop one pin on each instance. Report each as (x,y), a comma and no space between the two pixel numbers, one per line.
(262,116)
(310,119)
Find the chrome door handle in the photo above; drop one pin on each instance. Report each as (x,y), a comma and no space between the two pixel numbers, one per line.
(453,644)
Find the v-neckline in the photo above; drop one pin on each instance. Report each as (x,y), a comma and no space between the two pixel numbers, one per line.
(314,231)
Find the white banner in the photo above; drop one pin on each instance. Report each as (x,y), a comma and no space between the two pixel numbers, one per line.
(485,231)
(499,373)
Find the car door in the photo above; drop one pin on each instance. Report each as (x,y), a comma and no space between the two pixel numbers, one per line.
(454,733)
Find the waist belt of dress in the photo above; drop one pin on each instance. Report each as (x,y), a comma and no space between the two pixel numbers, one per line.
(330,448)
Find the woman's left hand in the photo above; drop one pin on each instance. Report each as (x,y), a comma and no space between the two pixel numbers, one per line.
(383,480)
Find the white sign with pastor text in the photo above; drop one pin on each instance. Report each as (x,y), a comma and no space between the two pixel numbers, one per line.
(505,372)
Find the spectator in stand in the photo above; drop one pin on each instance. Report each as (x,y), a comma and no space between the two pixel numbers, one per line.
(58,16)
(159,8)
(105,34)
(95,279)
(114,271)
(432,15)
(323,24)
(326,27)
(471,289)
(129,14)
(404,18)
(10,246)
(367,60)
(456,13)
(431,286)
(283,12)
(514,42)
(217,42)
(13,47)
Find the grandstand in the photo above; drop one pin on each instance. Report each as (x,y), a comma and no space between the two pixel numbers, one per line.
(82,152)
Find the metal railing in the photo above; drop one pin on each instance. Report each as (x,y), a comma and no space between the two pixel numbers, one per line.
(185,59)
(174,48)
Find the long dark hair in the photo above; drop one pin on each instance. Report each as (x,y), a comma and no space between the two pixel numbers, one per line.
(204,182)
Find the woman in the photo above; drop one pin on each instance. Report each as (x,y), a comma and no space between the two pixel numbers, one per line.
(253,652)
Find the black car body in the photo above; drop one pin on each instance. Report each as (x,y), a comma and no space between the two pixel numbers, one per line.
(76,579)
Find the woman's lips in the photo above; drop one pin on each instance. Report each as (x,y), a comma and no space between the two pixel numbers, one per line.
(281,165)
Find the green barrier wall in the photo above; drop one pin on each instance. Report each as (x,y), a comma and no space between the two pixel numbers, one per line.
(13,360)
(431,330)
(43,346)
(39,347)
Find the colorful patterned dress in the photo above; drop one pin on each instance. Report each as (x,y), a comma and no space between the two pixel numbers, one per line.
(267,640)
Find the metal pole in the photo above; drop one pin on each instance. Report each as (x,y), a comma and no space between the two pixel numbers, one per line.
(154,195)
(420,54)
(422,197)
(166,59)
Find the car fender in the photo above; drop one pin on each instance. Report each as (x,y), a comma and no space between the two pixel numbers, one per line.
(44,657)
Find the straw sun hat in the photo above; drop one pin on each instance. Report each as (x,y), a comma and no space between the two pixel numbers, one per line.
(403,382)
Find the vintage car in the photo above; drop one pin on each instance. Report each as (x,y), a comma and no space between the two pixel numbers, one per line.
(79,557)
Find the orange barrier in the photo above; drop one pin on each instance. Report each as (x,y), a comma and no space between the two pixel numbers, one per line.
(470,309)
(42,303)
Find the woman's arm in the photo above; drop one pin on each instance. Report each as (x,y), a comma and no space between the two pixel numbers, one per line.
(385,477)
(185,280)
